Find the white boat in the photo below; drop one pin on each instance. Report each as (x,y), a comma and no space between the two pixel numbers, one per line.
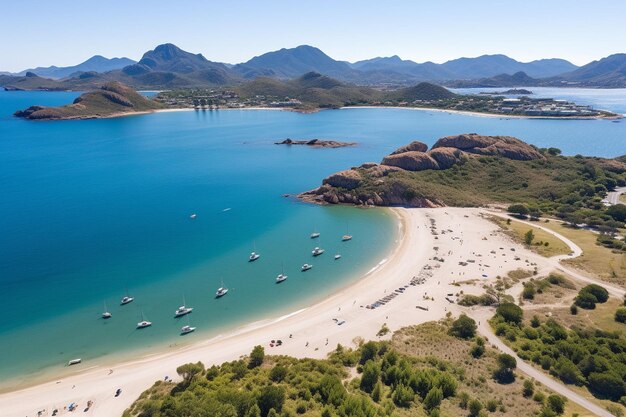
(182,310)
(315,235)
(126,299)
(186,329)
(337,256)
(317,251)
(193,216)
(74,362)
(221,291)
(347,236)
(306,267)
(106,314)
(254,256)
(281,277)
(143,323)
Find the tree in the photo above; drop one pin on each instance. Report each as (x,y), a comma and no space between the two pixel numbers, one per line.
(463,327)
(607,385)
(504,373)
(256,357)
(510,312)
(433,398)
(331,390)
(620,315)
(585,300)
(253,411)
(368,351)
(601,294)
(529,236)
(371,374)
(617,212)
(447,383)
(278,373)
(270,397)
(189,370)
(518,209)
(403,396)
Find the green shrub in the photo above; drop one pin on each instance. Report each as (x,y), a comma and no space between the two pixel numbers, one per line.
(510,313)
(463,327)
(620,315)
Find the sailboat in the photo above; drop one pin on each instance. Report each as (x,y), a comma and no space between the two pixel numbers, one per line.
(315,234)
(143,323)
(221,291)
(254,256)
(281,277)
(186,329)
(183,310)
(347,236)
(106,314)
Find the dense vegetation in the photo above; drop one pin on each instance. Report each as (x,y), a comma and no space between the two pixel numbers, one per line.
(587,357)
(397,378)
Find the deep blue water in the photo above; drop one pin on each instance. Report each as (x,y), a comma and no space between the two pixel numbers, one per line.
(90,208)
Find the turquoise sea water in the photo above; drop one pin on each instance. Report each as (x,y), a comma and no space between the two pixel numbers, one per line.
(90,208)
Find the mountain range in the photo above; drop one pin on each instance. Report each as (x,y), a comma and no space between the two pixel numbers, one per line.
(169,67)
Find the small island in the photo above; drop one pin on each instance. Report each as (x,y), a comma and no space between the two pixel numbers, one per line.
(511,92)
(316,143)
(111,100)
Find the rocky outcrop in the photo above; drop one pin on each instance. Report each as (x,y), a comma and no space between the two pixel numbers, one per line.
(445,157)
(416,146)
(316,143)
(506,146)
(411,161)
(376,184)
(348,179)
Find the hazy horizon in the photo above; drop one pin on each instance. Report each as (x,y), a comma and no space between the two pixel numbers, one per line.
(348,31)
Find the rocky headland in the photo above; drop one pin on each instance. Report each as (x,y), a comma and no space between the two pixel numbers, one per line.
(468,169)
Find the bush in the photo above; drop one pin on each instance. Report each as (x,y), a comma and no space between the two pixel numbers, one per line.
(606,385)
(463,327)
(617,212)
(586,300)
(491,405)
(271,397)
(477,351)
(620,315)
(601,294)
(403,396)
(256,357)
(433,398)
(529,388)
(504,373)
(518,209)
(528,293)
(474,408)
(510,312)
(573,309)
(556,403)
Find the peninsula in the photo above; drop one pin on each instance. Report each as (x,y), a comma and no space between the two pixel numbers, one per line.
(111,100)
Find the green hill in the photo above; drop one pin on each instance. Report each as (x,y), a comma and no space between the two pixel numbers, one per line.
(422,91)
(111,99)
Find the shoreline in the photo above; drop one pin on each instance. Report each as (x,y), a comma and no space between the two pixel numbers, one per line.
(314,331)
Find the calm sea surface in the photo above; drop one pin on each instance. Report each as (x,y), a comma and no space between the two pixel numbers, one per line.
(92,209)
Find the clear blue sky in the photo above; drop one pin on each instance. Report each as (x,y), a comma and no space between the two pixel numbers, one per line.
(64,32)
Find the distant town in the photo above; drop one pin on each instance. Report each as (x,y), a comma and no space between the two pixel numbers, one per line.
(501,105)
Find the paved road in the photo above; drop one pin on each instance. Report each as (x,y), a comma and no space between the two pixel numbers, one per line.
(612,198)
(482,316)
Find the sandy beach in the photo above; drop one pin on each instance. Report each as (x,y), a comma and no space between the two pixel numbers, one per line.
(437,248)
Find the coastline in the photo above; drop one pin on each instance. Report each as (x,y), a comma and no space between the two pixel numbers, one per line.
(314,331)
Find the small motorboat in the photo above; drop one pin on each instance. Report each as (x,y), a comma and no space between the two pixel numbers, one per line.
(193,216)
(306,267)
(186,329)
(317,251)
(126,299)
(221,291)
(74,362)
(337,257)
